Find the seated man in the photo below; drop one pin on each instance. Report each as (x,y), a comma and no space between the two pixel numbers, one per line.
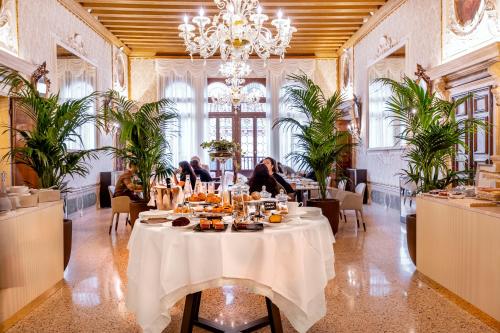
(125,186)
(201,172)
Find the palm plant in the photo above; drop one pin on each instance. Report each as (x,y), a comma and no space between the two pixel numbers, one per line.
(45,146)
(143,133)
(320,144)
(431,133)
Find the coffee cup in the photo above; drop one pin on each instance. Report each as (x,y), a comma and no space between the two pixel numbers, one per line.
(293,206)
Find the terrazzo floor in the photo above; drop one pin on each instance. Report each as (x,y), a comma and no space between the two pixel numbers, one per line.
(376,288)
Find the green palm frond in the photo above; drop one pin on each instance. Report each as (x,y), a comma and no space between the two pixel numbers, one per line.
(55,123)
(144,131)
(320,144)
(430,131)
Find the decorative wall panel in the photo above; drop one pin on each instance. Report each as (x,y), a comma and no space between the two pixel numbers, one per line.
(8,26)
(468,25)
(120,71)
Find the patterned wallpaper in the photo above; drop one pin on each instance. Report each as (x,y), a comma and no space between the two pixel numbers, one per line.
(419,23)
(42,24)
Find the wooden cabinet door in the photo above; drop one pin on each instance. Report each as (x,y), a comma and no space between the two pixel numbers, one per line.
(21,174)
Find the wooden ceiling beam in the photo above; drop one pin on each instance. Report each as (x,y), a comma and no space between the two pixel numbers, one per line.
(265,4)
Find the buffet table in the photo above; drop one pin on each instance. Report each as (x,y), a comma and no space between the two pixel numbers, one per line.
(289,263)
(31,257)
(458,246)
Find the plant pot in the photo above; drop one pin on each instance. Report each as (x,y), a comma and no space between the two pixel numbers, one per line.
(135,208)
(68,240)
(221,154)
(330,209)
(411,236)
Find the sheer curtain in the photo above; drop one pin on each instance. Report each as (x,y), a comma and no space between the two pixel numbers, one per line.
(77,79)
(381,130)
(180,89)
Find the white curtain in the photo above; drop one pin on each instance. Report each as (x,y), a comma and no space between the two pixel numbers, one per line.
(77,79)
(180,89)
(381,130)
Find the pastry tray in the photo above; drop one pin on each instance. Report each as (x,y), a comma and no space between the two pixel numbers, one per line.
(248,227)
(199,229)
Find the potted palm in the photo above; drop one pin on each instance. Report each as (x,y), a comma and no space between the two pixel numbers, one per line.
(143,133)
(44,146)
(431,136)
(320,144)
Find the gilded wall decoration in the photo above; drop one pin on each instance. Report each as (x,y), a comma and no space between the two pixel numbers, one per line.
(120,71)
(8,26)
(468,25)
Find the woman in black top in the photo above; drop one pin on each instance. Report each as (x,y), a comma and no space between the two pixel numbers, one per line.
(261,177)
(272,166)
(199,171)
(185,169)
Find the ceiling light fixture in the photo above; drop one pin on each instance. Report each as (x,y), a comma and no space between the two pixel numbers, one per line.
(237,31)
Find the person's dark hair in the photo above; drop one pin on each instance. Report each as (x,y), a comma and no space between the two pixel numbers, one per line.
(261,177)
(195,164)
(186,169)
(273,162)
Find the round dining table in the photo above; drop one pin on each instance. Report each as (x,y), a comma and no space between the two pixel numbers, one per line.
(290,263)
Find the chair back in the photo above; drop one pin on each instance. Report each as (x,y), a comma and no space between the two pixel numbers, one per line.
(111,190)
(120,204)
(360,189)
(341,185)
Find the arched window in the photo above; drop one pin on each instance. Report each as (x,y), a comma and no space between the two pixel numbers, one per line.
(182,144)
(258,90)
(288,142)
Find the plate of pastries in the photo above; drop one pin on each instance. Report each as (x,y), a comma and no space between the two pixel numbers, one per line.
(202,198)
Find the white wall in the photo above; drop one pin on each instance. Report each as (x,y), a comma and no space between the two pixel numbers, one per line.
(418,22)
(44,23)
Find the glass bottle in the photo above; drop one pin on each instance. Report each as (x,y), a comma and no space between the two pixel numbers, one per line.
(282,200)
(264,194)
(188,190)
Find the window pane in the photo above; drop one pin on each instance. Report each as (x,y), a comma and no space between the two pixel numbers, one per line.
(247,144)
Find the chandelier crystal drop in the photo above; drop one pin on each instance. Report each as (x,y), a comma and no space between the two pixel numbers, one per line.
(237,32)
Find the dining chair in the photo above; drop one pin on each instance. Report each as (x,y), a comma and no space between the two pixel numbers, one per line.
(353,201)
(118,205)
(408,189)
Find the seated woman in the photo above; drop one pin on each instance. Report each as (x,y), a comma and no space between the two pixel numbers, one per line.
(185,169)
(272,167)
(200,171)
(261,177)
(125,186)
(203,166)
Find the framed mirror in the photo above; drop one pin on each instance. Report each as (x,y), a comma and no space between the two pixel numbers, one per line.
(40,79)
(381,129)
(77,78)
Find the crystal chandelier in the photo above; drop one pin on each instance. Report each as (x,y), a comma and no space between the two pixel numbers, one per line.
(235,71)
(237,31)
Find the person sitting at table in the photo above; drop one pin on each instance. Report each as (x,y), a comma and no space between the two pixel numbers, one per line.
(125,186)
(203,166)
(200,171)
(285,169)
(272,167)
(262,177)
(184,170)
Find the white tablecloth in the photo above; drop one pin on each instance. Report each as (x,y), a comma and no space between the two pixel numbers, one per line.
(291,264)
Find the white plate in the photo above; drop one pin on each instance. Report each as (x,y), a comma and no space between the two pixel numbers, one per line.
(155,213)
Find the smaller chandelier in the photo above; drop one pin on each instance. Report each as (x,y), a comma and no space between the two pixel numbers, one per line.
(237,32)
(235,97)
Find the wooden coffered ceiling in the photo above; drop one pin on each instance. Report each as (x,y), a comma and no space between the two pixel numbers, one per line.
(149,27)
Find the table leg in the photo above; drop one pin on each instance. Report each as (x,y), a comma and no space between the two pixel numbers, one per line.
(191,318)
(274,317)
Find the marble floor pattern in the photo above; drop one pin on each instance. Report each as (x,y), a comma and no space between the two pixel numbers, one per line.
(376,288)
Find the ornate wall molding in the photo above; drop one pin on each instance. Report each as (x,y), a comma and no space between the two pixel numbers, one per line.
(75,41)
(385,44)
(8,26)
